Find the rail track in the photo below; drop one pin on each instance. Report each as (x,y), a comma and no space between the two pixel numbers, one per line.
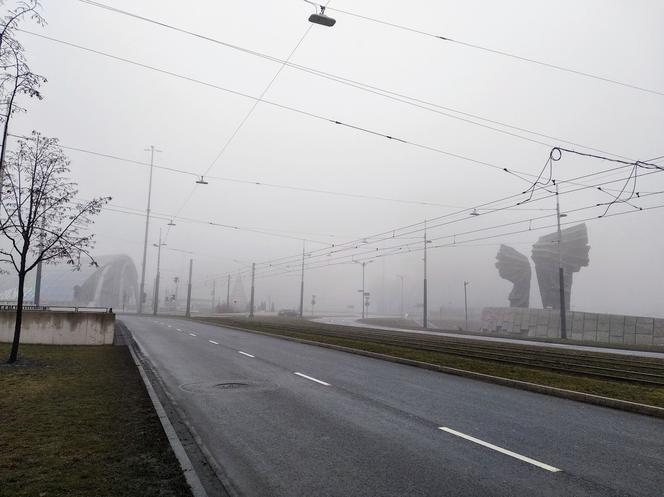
(595,364)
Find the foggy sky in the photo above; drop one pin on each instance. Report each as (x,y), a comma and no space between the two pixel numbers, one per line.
(107,106)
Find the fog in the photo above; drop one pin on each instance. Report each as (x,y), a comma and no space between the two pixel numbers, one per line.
(115,108)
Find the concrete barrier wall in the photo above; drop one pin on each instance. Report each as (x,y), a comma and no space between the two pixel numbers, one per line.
(586,326)
(60,328)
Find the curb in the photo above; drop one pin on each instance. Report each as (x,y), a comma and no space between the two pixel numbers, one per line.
(188,470)
(588,398)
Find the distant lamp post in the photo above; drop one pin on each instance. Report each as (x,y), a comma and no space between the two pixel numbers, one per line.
(425,323)
(365,295)
(465,300)
(321,18)
(156,282)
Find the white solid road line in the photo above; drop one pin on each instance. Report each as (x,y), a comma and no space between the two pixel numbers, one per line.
(212,341)
(244,353)
(312,379)
(193,334)
(504,451)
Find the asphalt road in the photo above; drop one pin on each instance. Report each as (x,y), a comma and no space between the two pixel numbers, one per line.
(288,419)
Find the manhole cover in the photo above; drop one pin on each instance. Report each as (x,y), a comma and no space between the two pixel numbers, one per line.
(213,388)
(230,385)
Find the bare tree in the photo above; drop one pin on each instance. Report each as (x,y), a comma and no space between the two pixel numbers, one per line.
(15,77)
(40,216)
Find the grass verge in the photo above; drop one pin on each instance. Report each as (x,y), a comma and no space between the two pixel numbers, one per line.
(77,421)
(643,394)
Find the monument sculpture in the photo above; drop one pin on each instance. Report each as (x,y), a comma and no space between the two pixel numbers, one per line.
(515,267)
(574,251)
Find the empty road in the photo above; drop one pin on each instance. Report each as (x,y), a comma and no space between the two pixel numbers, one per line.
(288,419)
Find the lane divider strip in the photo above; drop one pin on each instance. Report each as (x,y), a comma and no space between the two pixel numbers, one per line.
(244,353)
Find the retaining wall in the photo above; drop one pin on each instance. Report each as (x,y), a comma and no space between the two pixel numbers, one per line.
(586,326)
(60,328)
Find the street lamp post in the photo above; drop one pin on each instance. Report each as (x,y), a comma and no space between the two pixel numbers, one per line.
(251,300)
(465,300)
(152,150)
(364,295)
(302,284)
(156,282)
(187,312)
(424,310)
(561,274)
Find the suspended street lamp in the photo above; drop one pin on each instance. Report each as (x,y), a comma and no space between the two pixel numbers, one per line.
(321,18)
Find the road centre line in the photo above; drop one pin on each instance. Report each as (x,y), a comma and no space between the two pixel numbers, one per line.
(312,379)
(193,334)
(178,329)
(212,341)
(244,353)
(499,449)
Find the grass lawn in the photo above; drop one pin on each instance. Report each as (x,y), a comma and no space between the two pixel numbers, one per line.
(77,421)
(640,393)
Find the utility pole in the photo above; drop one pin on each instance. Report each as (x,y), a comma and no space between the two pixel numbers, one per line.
(251,302)
(38,277)
(302,284)
(561,275)
(152,150)
(401,277)
(156,283)
(424,310)
(465,300)
(228,294)
(364,294)
(188,311)
(214,294)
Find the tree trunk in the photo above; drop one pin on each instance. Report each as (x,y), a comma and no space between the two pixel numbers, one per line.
(13,356)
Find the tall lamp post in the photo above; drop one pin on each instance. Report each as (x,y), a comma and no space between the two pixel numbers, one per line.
(152,150)
(364,295)
(561,273)
(424,310)
(465,300)
(156,281)
(302,283)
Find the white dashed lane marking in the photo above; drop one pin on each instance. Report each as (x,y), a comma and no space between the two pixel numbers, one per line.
(310,378)
(500,449)
(244,353)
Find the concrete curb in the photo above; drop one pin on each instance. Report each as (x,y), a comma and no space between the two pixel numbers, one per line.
(188,470)
(588,398)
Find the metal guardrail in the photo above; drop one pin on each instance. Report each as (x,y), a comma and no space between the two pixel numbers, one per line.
(57,308)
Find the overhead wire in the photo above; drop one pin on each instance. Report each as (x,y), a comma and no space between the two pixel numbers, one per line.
(513,172)
(414,229)
(246,117)
(416,102)
(497,52)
